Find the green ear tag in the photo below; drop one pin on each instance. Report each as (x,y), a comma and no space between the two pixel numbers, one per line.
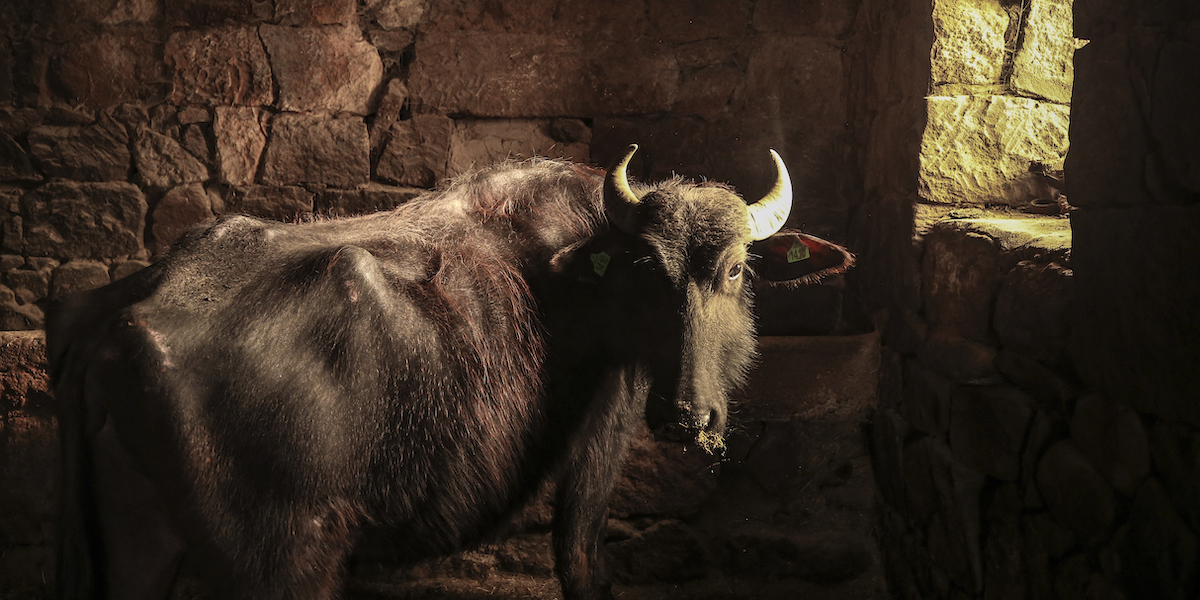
(797,253)
(600,262)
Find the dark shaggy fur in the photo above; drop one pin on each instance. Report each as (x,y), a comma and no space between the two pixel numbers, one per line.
(266,391)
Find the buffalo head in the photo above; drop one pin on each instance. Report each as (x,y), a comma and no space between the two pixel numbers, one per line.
(677,266)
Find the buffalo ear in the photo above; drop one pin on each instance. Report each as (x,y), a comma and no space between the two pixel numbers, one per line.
(792,258)
(589,259)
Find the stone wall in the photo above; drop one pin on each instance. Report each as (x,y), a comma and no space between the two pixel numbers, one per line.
(124,123)
(999,102)
(1037,429)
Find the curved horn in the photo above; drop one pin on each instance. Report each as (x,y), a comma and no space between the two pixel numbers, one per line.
(620,203)
(769,214)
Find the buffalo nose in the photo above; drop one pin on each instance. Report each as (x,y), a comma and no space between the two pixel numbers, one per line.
(700,421)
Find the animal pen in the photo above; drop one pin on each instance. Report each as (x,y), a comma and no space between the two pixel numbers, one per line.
(998,401)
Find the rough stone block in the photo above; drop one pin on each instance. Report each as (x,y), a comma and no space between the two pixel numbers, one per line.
(978,149)
(314,12)
(1139,323)
(1044,540)
(14,161)
(26,571)
(804,17)
(310,149)
(162,163)
(798,460)
(795,78)
(223,66)
(1112,437)
(98,152)
(666,552)
(1160,555)
(1031,237)
(418,152)
(396,14)
(1173,119)
(1109,133)
(800,310)
(9,262)
(1096,18)
(84,220)
(954,529)
(1033,311)
(1004,570)
(567,18)
(888,433)
(1045,429)
(540,76)
(29,284)
(662,478)
(813,377)
(373,198)
(195,141)
(825,556)
(969,44)
(891,377)
(7,89)
(961,275)
(988,428)
(240,139)
(323,69)
(706,92)
(961,360)
(691,20)
(279,203)
(78,276)
(477,143)
(21,317)
(179,210)
(14,234)
(1071,578)
(109,13)
(109,68)
(189,115)
(1075,492)
(125,268)
(1043,65)
(904,556)
(1176,451)
(201,13)
(390,105)
(927,397)
(18,121)
(41,263)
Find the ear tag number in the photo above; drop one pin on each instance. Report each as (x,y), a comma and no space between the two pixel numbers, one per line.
(797,253)
(600,262)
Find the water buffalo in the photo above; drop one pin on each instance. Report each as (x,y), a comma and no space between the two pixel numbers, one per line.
(264,392)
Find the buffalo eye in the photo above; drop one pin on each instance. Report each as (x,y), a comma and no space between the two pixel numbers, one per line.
(735,271)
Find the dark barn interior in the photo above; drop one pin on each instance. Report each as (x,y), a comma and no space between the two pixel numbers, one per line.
(999,401)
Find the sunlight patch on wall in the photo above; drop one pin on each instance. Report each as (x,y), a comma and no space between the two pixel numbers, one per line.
(999,103)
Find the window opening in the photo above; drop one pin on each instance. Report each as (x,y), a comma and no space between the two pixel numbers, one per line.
(998,108)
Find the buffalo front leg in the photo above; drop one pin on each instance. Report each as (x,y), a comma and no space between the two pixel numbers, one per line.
(141,548)
(581,505)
